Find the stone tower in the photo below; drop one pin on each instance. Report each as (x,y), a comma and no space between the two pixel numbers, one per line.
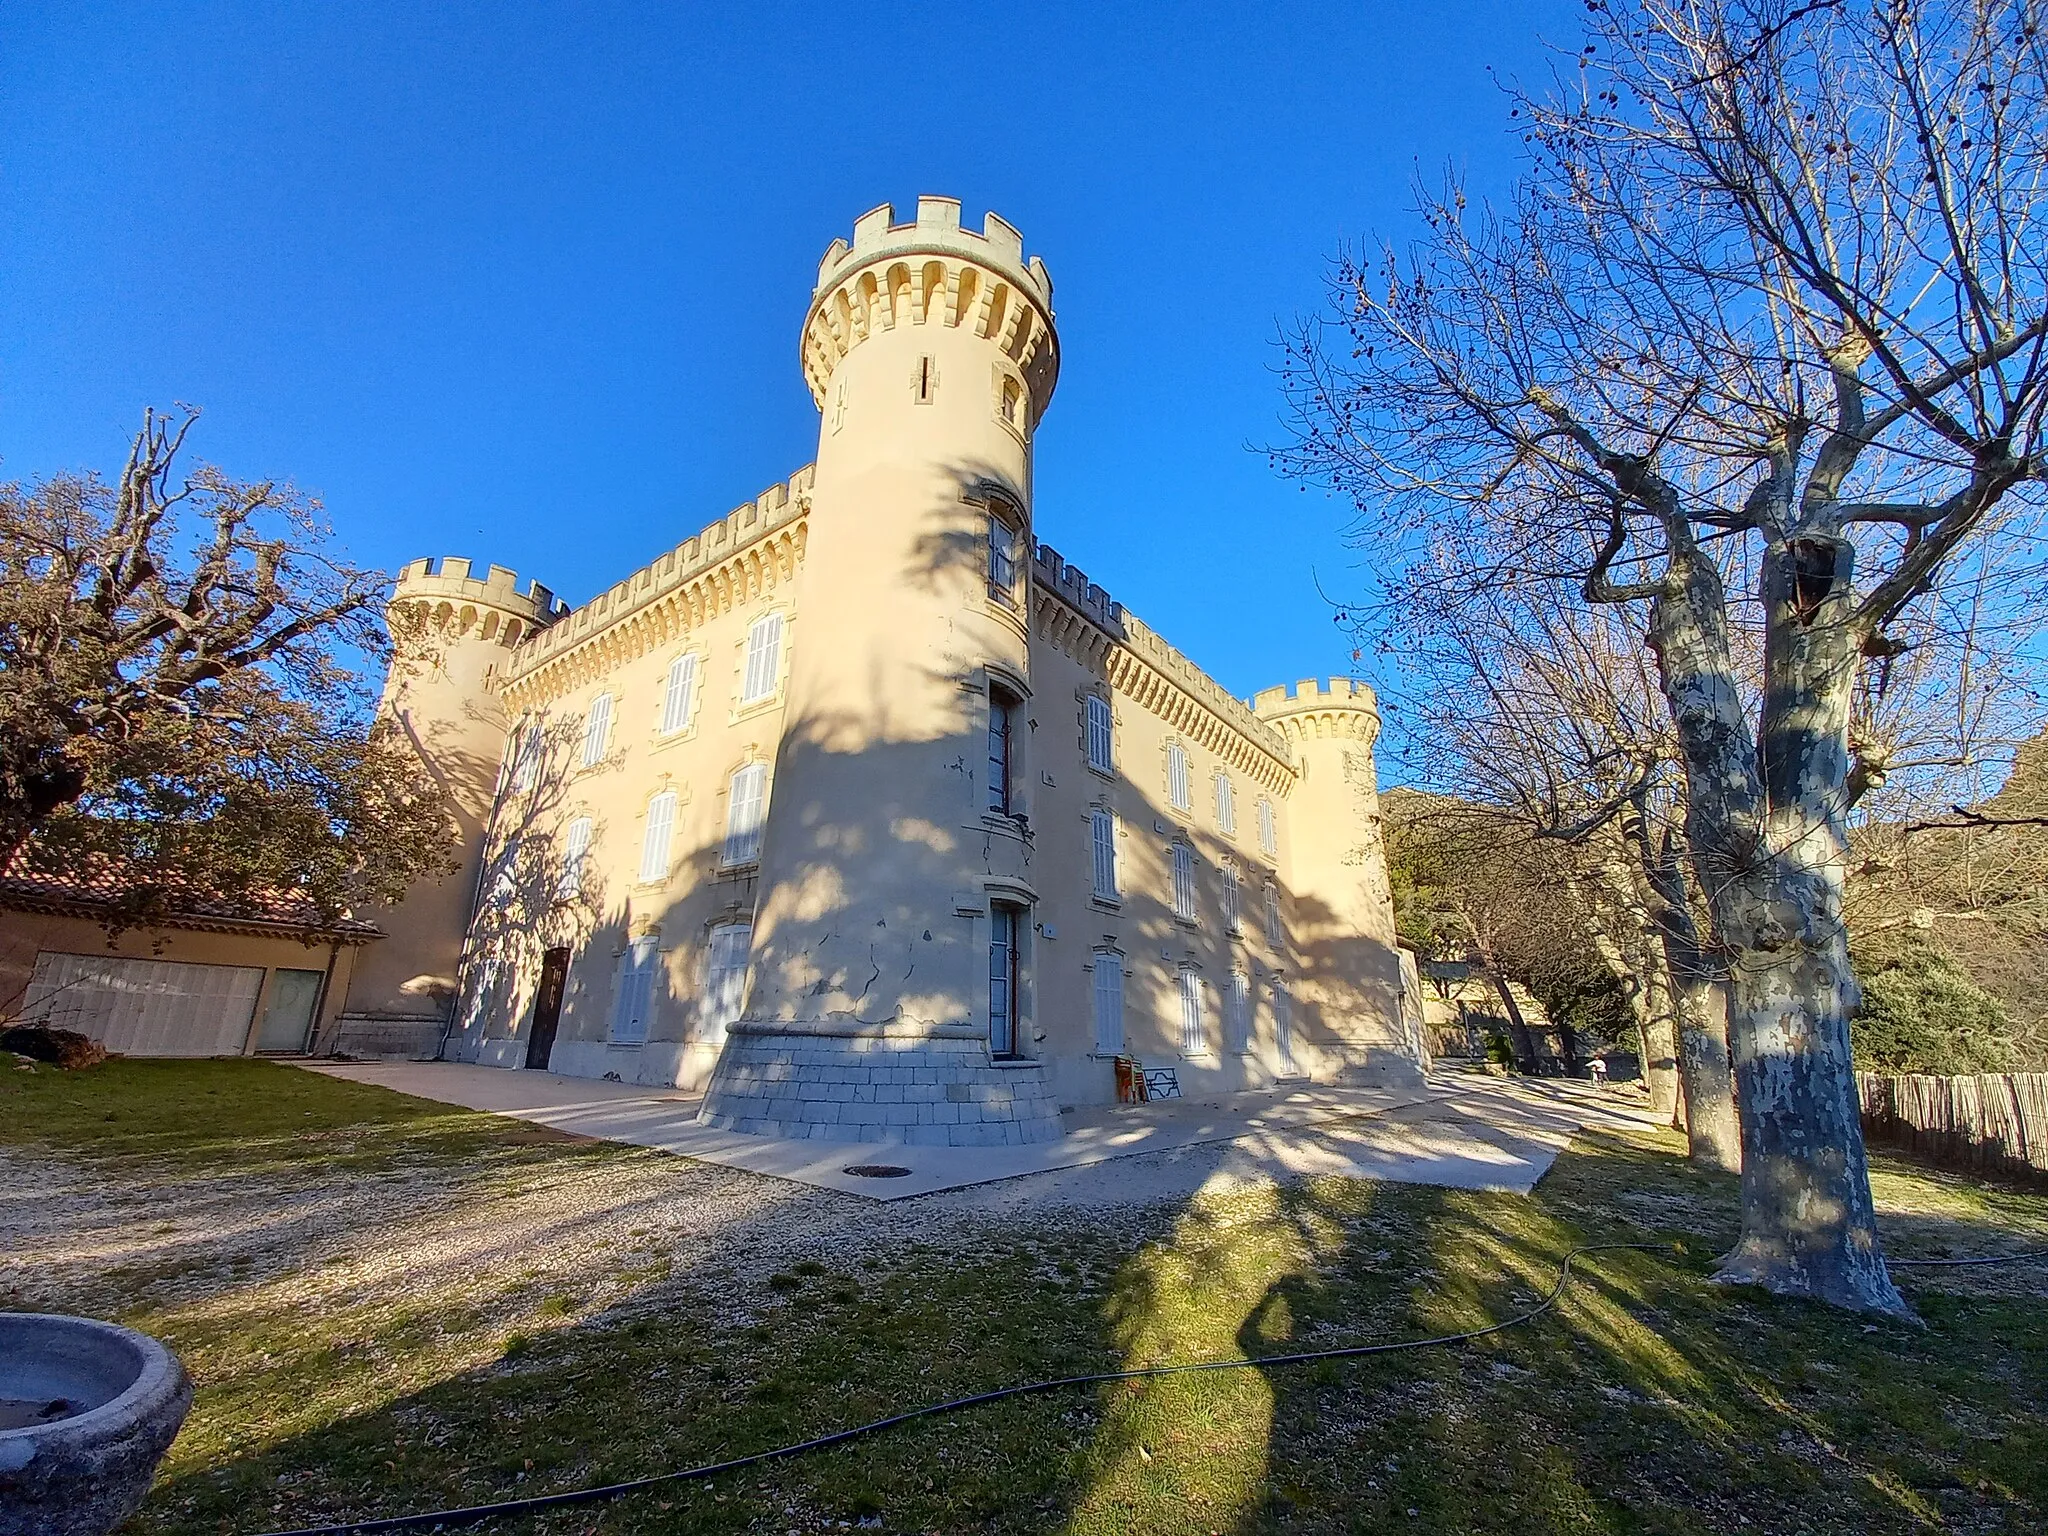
(445,701)
(931,352)
(1343,926)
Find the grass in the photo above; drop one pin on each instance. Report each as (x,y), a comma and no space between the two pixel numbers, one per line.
(1647,1401)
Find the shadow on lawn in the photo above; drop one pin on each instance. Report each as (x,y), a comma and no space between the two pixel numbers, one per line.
(1646,1401)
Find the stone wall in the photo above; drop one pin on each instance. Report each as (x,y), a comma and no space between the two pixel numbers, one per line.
(844,1083)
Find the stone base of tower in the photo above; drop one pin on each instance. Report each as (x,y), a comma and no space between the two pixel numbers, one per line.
(923,1086)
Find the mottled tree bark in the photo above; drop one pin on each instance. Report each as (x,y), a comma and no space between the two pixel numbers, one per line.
(1768,845)
(1705,1070)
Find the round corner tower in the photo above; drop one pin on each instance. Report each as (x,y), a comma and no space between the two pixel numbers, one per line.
(451,633)
(931,353)
(1337,872)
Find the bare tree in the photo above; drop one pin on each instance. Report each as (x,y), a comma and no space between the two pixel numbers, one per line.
(182,710)
(1760,344)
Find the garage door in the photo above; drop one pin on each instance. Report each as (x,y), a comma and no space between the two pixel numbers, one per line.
(146,1007)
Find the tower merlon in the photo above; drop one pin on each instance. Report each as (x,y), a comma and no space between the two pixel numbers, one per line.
(1315,708)
(937,229)
(449,580)
(931,273)
(1072,583)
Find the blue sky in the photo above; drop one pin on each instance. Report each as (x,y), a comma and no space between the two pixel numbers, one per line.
(524,283)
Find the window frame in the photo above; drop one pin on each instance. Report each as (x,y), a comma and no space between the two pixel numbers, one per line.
(1186,898)
(1108,1041)
(577,837)
(667,724)
(1237,1012)
(741,847)
(1226,803)
(1269,827)
(1102,854)
(661,813)
(778,621)
(1276,925)
(713,1019)
(1180,778)
(1003,706)
(638,962)
(1005,970)
(597,731)
(1194,1026)
(1004,557)
(1232,885)
(1099,727)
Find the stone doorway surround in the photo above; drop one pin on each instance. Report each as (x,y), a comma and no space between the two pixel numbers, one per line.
(1459,1131)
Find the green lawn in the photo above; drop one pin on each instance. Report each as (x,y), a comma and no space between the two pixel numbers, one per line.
(517,1312)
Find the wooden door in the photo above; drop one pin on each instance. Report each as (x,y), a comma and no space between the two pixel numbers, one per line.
(547,1008)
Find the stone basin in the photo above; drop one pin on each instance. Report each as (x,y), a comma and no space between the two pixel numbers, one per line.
(87,1409)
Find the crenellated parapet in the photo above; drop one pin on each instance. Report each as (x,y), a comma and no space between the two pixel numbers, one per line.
(446,598)
(934,273)
(1341,708)
(753,549)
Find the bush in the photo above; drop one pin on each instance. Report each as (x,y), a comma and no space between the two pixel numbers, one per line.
(1922,1013)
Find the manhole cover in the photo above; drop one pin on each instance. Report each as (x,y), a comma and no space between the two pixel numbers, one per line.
(877,1171)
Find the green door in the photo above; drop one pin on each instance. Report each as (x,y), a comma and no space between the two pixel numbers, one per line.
(288,1016)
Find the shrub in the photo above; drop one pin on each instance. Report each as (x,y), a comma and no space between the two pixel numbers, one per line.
(1922,1013)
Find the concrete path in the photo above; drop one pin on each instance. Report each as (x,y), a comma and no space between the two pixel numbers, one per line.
(1460,1131)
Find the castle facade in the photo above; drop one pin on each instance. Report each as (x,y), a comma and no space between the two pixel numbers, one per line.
(864,812)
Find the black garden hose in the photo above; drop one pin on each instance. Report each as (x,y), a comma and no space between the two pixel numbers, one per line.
(472,1514)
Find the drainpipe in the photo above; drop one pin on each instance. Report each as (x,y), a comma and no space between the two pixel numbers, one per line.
(320,1003)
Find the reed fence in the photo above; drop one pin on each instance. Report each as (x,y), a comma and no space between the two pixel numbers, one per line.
(1996,1123)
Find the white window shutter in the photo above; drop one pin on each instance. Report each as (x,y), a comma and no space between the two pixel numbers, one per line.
(575,849)
(1109,1004)
(1192,1040)
(597,730)
(1183,881)
(725,979)
(1101,739)
(1103,837)
(635,1001)
(1230,898)
(1269,828)
(1240,1012)
(679,696)
(1177,787)
(764,658)
(745,813)
(654,846)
